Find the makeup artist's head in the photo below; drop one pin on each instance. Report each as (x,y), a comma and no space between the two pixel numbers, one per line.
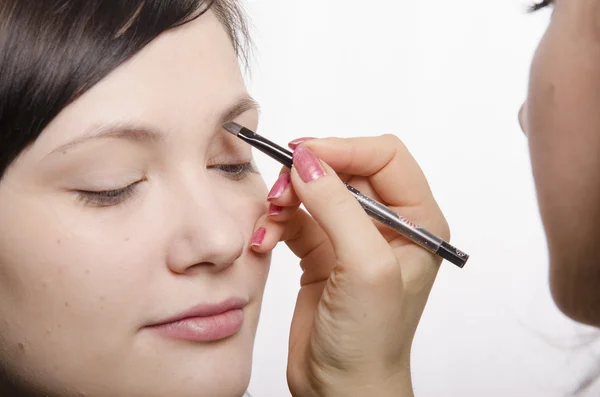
(562,120)
(123,203)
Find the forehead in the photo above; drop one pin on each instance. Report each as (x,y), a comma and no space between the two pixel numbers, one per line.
(181,80)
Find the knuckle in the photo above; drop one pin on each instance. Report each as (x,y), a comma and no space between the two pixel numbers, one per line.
(393,141)
(397,150)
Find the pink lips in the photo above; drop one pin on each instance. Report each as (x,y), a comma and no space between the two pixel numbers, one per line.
(204,323)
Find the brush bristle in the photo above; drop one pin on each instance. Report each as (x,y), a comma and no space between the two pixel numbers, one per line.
(233,128)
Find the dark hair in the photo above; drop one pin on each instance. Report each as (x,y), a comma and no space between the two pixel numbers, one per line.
(52,51)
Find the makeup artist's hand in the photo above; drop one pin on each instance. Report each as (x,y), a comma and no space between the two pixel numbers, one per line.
(363,287)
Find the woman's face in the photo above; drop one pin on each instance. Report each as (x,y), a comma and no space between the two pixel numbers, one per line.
(562,120)
(132,208)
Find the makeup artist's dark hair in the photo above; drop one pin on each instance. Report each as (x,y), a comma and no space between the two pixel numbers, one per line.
(52,51)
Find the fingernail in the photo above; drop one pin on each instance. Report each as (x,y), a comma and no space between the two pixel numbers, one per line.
(279,186)
(274,210)
(307,164)
(258,237)
(296,142)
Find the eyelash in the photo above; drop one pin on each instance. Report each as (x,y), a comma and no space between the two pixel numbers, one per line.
(237,172)
(108,198)
(542,4)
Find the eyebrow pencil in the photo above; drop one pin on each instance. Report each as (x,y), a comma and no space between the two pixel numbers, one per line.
(375,209)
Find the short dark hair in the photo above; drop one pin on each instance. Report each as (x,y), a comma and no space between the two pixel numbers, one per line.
(52,51)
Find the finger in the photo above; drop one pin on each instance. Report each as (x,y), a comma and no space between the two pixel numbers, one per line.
(302,235)
(281,214)
(282,193)
(267,233)
(354,237)
(305,239)
(308,241)
(392,170)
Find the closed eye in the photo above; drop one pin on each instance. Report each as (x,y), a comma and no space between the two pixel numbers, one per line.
(107,198)
(236,172)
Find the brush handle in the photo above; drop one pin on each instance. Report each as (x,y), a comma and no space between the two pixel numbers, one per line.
(375,209)
(411,231)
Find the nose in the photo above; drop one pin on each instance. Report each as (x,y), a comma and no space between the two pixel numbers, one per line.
(523,118)
(205,233)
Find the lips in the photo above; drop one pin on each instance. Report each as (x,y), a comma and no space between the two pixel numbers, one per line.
(204,322)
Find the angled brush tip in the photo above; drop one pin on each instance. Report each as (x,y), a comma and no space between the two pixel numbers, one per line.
(233,128)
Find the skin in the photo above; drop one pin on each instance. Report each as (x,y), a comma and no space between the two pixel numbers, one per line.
(346,337)
(351,275)
(97,276)
(79,281)
(561,120)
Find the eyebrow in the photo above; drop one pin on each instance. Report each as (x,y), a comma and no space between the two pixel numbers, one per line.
(145,134)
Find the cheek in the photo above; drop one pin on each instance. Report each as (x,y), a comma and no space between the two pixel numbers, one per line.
(58,291)
(248,209)
(53,275)
(61,273)
(245,202)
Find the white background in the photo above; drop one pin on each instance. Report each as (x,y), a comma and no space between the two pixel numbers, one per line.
(448,78)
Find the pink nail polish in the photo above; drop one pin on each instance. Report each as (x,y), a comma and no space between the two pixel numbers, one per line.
(258,237)
(307,164)
(279,187)
(296,142)
(274,210)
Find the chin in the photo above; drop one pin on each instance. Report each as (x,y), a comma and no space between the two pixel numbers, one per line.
(174,369)
(216,369)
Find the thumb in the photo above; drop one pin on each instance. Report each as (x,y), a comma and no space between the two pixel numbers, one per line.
(357,243)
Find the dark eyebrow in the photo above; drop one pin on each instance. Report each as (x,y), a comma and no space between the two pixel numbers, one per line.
(240,107)
(144,134)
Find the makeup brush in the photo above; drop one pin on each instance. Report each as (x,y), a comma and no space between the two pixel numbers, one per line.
(375,209)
